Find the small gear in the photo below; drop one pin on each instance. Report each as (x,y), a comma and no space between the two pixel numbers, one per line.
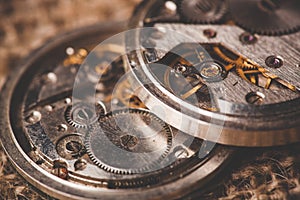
(129,142)
(81,115)
(266,17)
(202,11)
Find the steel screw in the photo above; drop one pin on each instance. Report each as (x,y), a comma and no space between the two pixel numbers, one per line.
(62,127)
(274,61)
(74,147)
(248,38)
(255,98)
(212,71)
(170,5)
(80,164)
(209,33)
(151,55)
(34,117)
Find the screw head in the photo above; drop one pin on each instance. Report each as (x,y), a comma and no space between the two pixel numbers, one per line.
(212,71)
(34,117)
(50,78)
(68,101)
(274,61)
(74,147)
(255,98)
(170,5)
(48,108)
(83,53)
(151,55)
(248,38)
(80,164)
(70,51)
(62,127)
(210,33)
(180,68)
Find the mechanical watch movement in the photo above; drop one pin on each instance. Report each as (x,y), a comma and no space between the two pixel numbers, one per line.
(232,74)
(105,146)
(153,112)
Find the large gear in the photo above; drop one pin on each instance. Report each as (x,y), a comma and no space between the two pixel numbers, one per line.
(202,11)
(266,17)
(129,142)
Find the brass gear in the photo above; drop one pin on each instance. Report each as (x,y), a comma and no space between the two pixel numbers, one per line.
(240,62)
(250,71)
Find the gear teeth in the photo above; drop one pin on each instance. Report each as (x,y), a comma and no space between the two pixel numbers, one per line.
(280,20)
(248,65)
(241,74)
(190,11)
(68,116)
(100,110)
(289,30)
(110,169)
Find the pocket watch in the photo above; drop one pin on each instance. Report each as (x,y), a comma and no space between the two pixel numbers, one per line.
(106,146)
(235,81)
(153,112)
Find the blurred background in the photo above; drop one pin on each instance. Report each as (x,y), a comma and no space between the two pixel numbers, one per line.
(27,24)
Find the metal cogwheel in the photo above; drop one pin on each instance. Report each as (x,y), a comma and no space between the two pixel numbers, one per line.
(266,17)
(129,141)
(202,11)
(82,115)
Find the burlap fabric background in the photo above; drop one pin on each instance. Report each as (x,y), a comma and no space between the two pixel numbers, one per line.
(25,25)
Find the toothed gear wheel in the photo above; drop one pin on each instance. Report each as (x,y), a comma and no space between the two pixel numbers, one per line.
(238,62)
(129,142)
(82,115)
(266,17)
(202,11)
